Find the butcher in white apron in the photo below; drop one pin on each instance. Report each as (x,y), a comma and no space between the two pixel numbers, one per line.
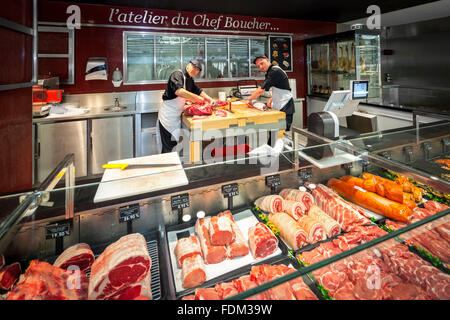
(277,81)
(180,87)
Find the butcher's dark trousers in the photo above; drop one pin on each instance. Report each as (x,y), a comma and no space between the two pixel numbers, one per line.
(289,118)
(167,140)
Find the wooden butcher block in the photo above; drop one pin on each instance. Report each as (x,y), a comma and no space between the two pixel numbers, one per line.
(131,182)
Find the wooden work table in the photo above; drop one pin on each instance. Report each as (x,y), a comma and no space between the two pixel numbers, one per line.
(234,124)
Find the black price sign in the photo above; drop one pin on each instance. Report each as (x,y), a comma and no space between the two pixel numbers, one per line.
(230,190)
(273,181)
(305,174)
(180,202)
(57,230)
(129,212)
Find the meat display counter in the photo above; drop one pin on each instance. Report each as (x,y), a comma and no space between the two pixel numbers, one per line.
(267,227)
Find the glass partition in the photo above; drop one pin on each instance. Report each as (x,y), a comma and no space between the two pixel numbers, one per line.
(194,48)
(239,58)
(217,58)
(140,58)
(167,55)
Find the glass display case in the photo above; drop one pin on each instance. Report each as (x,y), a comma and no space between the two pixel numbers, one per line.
(355,251)
(334,60)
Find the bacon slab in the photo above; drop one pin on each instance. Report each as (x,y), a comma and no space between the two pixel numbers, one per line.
(271,204)
(331,226)
(296,195)
(290,231)
(185,248)
(313,228)
(295,209)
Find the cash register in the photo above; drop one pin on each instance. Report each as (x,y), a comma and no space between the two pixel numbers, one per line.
(341,104)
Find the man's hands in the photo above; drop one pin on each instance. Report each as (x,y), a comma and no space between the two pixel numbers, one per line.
(269,103)
(249,102)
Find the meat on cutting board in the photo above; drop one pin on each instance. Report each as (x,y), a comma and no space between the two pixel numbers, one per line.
(187,247)
(290,230)
(239,247)
(42,281)
(193,272)
(211,254)
(220,231)
(79,255)
(9,275)
(261,240)
(122,264)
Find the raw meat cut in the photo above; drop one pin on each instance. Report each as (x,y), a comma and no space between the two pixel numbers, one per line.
(435,206)
(79,255)
(370,200)
(142,289)
(193,272)
(290,231)
(226,289)
(239,247)
(185,248)
(271,204)
(220,231)
(265,273)
(190,297)
(211,254)
(301,196)
(42,281)
(345,213)
(9,275)
(295,209)
(245,283)
(313,228)
(414,269)
(261,240)
(331,226)
(197,110)
(122,264)
(299,288)
(220,113)
(206,294)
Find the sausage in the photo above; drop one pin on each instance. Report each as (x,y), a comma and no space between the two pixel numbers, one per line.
(370,200)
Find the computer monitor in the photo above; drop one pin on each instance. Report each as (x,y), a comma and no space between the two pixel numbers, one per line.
(360,89)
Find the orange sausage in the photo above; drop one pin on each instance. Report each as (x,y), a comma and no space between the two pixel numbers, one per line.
(370,200)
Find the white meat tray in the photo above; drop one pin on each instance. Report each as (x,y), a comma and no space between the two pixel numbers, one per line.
(244,220)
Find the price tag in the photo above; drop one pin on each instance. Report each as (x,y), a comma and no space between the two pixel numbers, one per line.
(305,174)
(129,213)
(57,230)
(273,180)
(230,190)
(180,201)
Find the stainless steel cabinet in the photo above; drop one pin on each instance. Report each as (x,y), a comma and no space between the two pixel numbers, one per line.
(111,139)
(148,142)
(55,141)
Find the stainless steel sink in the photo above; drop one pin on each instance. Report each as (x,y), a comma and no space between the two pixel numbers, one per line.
(115,108)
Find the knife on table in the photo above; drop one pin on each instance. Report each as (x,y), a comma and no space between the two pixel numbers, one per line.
(123,166)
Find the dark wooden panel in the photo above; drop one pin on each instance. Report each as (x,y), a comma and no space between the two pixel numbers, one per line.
(19,11)
(16,141)
(15,65)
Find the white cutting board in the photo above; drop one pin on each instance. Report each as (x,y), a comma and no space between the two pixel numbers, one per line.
(117,183)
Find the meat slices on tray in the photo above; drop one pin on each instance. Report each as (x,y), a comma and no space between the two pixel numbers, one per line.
(295,209)
(185,248)
(246,283)
(79,255)
(296,195)
(347,214)
(211,254)
(220,231)
(261,240)
(42,281)
(313,228)
(271,204)
(331,226)
(226,289)
(238,247)
(122,264)
(264,273)
(9,275)
(290,230)
(206,294)
(193,272)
